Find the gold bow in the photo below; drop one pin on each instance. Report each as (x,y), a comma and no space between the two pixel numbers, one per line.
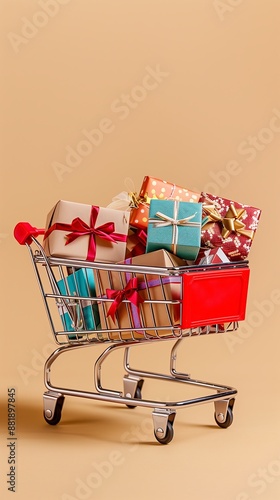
(136,200)
(133,200)
(231,222)
(212,215)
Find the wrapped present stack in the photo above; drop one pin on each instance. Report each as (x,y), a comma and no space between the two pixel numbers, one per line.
(161,223)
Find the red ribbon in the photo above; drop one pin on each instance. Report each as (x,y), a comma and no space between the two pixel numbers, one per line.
(130,292)
(142,236)
(80,228)
(140,247)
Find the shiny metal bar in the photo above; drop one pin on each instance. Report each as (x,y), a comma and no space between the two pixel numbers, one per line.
(56,268)
(116,397)
(174,377)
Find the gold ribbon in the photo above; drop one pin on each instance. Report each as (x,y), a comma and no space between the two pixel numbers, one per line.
(164,220)
(231,222)
(133,200)
(136,200)
(212,215)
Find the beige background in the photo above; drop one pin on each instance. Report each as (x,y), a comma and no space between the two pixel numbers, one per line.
(210,121)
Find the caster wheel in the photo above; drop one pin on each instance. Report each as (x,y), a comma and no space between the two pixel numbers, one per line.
(168,436)
(228,421)
(138,395)
(54,419)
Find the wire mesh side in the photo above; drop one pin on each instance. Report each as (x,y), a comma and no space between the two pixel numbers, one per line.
(77,303)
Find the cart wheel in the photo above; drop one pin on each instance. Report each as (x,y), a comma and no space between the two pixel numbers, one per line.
(138,395)
(55,418)
(168,436)
(228,421)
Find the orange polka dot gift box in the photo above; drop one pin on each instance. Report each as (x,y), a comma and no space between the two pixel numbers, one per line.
(153,188)
(229,225)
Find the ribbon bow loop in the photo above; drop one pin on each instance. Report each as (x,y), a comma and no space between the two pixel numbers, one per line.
(168,221)
(129,292)
(106,231)
(212,215)
(78,228)
(144,199)
(164,220)
(81,228)
(230,223)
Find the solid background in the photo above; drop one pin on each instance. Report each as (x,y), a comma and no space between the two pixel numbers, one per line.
(211,122)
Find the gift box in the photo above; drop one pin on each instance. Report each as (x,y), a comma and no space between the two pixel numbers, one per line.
(229,225)
(175,226)
(136,242)
(126,294)
(211,256)
(78,314)
(153,188)
(86,232)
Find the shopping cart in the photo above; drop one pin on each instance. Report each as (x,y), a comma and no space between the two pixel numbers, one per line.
(210,299)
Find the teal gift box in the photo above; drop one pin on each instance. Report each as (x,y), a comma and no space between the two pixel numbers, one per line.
(175,226)
(78,314)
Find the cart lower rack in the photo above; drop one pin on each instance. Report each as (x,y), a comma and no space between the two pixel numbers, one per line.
(124,306)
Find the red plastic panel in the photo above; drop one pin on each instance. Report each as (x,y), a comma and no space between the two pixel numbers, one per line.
(211,297)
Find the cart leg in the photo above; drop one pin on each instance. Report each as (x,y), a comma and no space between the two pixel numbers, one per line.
(53,403)
(163,425)
(132,387)
(224,412)
(173,360)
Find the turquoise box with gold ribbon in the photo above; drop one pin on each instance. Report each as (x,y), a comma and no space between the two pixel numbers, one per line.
(176,227)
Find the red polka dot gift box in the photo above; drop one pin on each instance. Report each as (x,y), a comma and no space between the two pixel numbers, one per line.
(229,225)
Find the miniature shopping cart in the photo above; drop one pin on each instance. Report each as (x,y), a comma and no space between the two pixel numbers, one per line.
(82,313)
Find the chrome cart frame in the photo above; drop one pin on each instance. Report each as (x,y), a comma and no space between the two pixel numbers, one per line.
(59,305)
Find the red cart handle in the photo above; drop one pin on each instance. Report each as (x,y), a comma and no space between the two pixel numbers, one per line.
(23,232)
